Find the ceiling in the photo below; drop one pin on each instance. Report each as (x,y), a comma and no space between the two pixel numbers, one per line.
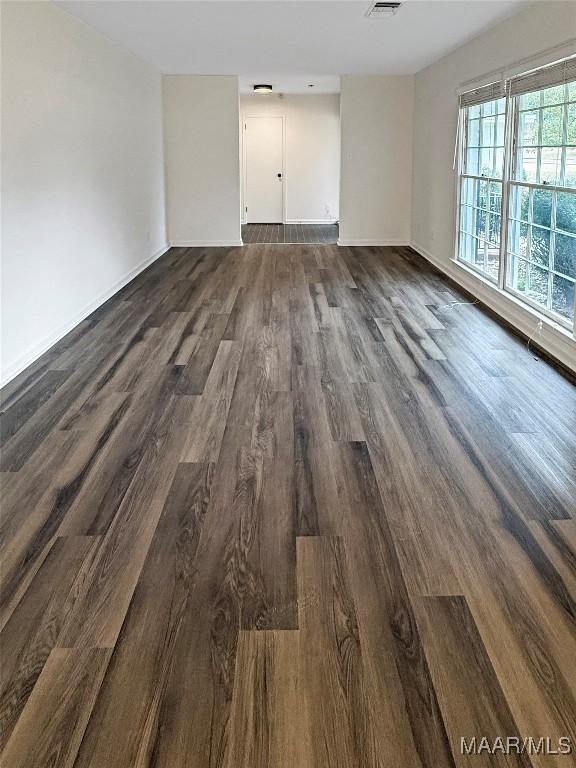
(296,41)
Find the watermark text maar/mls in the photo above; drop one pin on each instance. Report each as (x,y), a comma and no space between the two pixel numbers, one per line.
(515,745)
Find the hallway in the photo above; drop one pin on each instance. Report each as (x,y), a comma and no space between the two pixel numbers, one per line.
(327,234)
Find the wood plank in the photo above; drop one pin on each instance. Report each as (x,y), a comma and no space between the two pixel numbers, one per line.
(129,713)
(14,417)
(469,692)
(315,462)
(52,724)
(36,510)
(269,724)
(407,717)
(35,625)
(99,611)
(335,690)
(210,410)
(267,525)
(195,374)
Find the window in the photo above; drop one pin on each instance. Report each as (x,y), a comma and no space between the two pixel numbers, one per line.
(481,186)
(517,187)
(541,245)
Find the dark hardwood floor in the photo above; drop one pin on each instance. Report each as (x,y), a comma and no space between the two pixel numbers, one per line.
(286,506)
(290,233)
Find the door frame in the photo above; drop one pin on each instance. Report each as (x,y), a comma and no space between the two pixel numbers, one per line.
(244,186)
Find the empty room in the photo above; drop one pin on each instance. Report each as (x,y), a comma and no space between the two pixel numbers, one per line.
(288,405)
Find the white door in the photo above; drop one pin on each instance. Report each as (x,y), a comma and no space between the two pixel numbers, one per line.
(264,171)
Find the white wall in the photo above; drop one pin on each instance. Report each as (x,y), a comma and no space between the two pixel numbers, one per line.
(375,180)
(542,26)
(312,145)
(202,157)
(82,176)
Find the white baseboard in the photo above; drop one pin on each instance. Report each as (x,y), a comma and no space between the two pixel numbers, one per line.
(32,354)
(205,243)
(552,338)
(352,241)
(311,221)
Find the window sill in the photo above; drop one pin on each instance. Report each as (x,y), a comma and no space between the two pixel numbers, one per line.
(557,342)
(552,325)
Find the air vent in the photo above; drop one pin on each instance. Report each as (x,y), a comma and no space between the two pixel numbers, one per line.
(382,10)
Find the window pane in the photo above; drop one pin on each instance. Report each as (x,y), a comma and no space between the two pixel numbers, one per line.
(519,201)
(482,198)
(518,238)
(472,164)
(495,196)
(542,207)
(514,237)
(493,261)
(488,108)
(572,91)
(523,241)
(465,247)
(565,254)
(481,223)
(528,279)
(571,129)
(516,277)
(467,189)
(550,165)
(570,168)
(494,230)
(530,100)
(500,128)
(467,219)
(529,122)
(488,131)
(471,251)
(487,162)
(475,192)
(499,163)
(474,133)
(552,122)
(540,246)
(566,211)
(484,131)
(563,296)
(536,284)
(479,255)
(554,95)
(527,165)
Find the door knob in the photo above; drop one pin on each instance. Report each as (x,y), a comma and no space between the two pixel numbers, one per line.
(279,175)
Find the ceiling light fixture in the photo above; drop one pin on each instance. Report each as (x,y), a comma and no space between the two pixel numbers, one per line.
(262,88)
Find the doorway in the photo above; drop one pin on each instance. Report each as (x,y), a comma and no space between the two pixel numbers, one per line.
(290,167)
(264,169)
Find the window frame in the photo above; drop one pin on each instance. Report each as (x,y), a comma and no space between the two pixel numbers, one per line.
(509,184)
(462,174)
